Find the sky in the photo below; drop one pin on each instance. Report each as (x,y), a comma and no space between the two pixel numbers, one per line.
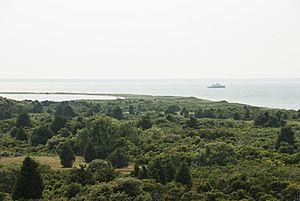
(136,39)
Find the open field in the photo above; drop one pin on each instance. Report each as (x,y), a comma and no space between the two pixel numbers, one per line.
(54,162)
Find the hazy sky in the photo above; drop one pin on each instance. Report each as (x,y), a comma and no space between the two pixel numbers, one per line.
(149,39)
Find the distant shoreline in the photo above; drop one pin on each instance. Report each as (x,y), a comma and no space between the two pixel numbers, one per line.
(59,96)
(59,93)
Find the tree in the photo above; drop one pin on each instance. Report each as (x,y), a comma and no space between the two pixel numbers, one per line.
(29,184)
(246,115)
(81,175)
(36,107)
(184,112)
(102,170)
(145,122)
(23,120)
(286,134)
(183,175)
(66,155)
(136,171)
(21,135)
(218,153)
(192,122)
(72,190)
(292,192)
(170,170)
(172,109)
(267,120)
(58,123)
(13,132)
(65,110)
(119,158)
(117,113)
(157,171)
(89,152)
(236,116)
(103,132)
(131,110)
(41,135)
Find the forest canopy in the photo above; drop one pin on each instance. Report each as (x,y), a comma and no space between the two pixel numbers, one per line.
(148,148)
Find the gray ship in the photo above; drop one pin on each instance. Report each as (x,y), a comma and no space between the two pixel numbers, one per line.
(217,85)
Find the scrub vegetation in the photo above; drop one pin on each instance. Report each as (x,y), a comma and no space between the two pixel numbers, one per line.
(145,148)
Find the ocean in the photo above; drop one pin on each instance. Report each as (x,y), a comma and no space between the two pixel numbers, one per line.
(272,93)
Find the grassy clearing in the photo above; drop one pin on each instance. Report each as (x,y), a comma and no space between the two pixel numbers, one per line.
(54,162)
(126,170)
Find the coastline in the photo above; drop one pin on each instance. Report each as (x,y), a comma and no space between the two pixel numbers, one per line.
(82,96)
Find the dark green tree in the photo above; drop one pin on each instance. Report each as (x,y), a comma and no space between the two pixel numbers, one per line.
(291,193)
(170,170)
(183,175)
(72,190)
(102,170)
(144,173)
(81,175)
(29,184)
(66,155)
(65,110)
(23,120)
(184,112)
(286,134)
(21,135)
(236,116)
(119,158)
(41,135)
(13,132)
(145,122)
(172,109)
(131,110)
(192,122)
(136,171)
(246,115)
(117,113)
(58,123)
(267,120)
(36,107)
(90,152)
(157,171)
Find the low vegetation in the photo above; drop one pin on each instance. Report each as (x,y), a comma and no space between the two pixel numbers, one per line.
(148,148)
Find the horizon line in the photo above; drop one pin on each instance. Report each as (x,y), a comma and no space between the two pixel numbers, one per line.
(98,79)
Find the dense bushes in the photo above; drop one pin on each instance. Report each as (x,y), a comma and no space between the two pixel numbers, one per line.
(217,153)
(163,148)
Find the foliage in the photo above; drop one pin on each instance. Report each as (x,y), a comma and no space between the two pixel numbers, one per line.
(29,184)
(183,175)
(102,170)
(90,152)
(217,153)
(65,110)
(41,135)
(23,120)
(66,155)
(119,158)
(161,148)
(58,123)
(145,122)
(267,120)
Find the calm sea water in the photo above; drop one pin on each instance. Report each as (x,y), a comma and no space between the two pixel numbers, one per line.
(273,93)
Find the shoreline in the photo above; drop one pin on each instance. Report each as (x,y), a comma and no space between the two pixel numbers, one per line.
(107,96)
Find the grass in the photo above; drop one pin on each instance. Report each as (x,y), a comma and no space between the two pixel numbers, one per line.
(54,162)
